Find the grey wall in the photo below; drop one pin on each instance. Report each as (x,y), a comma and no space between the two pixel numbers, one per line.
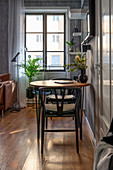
(91,92)
(72,3)
(3,36)
(99,95)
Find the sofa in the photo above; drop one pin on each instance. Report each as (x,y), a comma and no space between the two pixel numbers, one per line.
(8,92)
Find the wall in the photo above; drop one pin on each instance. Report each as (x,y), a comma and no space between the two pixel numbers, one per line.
(3,36)
(65,3)
(99,95)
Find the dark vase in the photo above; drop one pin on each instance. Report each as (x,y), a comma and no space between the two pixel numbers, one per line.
(83,77)
(29,93)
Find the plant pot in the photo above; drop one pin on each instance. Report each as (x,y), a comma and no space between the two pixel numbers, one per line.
(29,93)
(83,77)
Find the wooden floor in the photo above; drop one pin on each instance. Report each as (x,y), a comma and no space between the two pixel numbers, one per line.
(19,149)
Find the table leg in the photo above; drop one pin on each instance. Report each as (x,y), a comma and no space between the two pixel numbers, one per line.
(37,116)
(82,101)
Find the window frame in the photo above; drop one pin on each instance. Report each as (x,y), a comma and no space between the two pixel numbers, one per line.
(45,40)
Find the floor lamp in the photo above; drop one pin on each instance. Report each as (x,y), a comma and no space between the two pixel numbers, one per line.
(15,60)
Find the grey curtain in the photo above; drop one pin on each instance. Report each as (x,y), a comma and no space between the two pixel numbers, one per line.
(16,43)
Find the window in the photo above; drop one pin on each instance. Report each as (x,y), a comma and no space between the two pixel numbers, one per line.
(53,38)
(57,38)
(53,18)
(57,18)
(38,38)
(39,18)
(55,60)
(45,38)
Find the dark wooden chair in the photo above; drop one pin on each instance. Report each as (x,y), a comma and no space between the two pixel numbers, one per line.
(70,97)
(59,109)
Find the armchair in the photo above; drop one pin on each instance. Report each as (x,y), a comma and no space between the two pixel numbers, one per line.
(8,92)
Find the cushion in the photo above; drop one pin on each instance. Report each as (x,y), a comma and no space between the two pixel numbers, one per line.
(5,77)
(109,138)
(103,159)
(52,97)
(1,94)
(66,107)
(6,82)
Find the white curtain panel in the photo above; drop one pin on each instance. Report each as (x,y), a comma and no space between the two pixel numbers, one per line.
(16,44)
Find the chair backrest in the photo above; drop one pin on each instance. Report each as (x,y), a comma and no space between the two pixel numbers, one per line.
(59,103)
(5,77)
(61,79)
(69,91)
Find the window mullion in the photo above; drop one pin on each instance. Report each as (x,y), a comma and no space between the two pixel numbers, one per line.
(43,42)
(46,41)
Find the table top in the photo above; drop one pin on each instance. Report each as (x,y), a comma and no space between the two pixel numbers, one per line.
(58,83)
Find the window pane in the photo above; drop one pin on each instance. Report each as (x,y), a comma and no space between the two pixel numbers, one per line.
(34,42)
(35,55)
(55,61)
(55,23)
(55,42)
(34,23)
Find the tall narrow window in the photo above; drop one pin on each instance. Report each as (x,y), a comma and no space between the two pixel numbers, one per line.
(53,38)
(45,38)
(34,32)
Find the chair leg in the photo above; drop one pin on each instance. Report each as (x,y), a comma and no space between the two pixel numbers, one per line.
(76,125)
(42,134)
(2,113)
(37,116)
(81,126)
(82,100)
(46,122)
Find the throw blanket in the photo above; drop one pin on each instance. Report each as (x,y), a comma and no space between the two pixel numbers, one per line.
(103,159)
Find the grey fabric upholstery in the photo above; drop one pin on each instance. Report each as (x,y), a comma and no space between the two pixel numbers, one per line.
(66,107)
(103,159)
(52,96)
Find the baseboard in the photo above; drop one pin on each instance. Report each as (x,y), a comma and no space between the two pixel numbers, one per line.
(91,133)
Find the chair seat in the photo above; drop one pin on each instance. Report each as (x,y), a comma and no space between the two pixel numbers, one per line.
(66,97)
(37,92)
(66,108)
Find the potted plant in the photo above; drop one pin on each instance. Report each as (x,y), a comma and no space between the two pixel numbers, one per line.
(79,63)
(31,69)
(71,44)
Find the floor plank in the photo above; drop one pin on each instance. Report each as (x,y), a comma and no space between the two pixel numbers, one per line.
(19,149)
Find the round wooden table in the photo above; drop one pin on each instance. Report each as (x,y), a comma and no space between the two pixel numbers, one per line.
(58,84)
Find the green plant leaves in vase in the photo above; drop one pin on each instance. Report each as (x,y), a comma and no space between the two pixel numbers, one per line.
(79,63)
(31,67)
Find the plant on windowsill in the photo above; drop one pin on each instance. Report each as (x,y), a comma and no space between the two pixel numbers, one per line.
(79,63)
(71,45)
(31,68)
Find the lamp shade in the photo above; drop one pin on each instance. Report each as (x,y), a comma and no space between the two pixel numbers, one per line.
(14,58)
